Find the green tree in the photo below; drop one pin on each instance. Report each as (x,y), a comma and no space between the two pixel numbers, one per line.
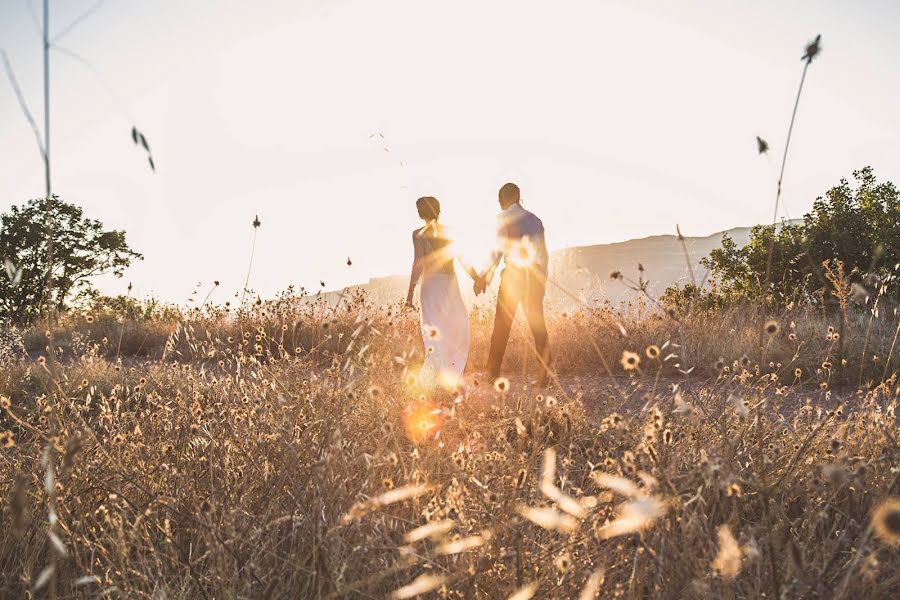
(860,227)
(82,249)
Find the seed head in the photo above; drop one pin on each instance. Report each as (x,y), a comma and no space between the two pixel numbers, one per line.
(812,49)
(7,440)
(886,521)
(630,360)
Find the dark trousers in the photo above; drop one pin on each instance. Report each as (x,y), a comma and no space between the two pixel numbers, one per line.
(525,287)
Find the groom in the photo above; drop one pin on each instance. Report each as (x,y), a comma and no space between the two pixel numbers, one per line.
(520,242)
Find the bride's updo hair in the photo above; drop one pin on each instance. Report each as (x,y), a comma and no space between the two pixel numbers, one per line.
(429,207)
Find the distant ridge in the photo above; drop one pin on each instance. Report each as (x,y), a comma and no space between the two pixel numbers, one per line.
(583,271)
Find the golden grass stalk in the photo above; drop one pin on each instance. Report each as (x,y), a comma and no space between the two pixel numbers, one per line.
(433,530)
(422,584)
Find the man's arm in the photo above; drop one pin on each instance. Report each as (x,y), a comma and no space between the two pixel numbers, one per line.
(488,274)
(499,250)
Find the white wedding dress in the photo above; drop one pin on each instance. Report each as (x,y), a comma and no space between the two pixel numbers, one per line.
(445,320)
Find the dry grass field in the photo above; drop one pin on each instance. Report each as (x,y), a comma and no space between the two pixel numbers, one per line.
(289,453)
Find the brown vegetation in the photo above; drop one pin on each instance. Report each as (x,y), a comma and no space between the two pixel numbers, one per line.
(271,455)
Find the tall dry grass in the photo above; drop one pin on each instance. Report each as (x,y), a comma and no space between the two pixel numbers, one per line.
(284,454)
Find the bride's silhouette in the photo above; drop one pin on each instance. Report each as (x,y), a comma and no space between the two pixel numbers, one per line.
(444,318)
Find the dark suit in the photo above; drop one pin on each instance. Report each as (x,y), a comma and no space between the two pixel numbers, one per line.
(523,281)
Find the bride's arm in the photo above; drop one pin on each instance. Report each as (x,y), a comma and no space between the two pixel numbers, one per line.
(469,269)
(416,271)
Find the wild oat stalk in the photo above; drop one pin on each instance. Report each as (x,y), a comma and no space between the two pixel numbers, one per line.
(812,50)
(256,224)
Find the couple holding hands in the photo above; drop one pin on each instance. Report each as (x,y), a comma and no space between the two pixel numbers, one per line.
(444,317)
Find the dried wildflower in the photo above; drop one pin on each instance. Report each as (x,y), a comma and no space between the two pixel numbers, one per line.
(501,384)
(728,559)
(5,402)
(772,328)
(741,406)
(550,401)
(630,360)
(886,521)
(734,490)
(652,351)
(563,562)
(798,372)
(432,332)
(7,440)
(812,49)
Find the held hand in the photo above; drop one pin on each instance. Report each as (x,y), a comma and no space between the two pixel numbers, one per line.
(479,286)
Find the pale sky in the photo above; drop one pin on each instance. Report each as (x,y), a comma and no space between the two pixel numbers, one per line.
(617,119)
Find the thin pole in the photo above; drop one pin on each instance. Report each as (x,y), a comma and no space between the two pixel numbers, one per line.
(47,95)
(50,233)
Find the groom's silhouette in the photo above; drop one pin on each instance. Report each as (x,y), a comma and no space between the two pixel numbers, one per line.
(520,242)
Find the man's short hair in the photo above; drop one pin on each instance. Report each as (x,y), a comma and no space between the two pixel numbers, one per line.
(509,194)
(429,207)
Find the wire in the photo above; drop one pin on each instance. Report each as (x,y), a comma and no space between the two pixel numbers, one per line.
(23,104)
(85,15)
(34,19)
(96,72)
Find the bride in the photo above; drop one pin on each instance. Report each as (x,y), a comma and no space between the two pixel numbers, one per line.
(445,320)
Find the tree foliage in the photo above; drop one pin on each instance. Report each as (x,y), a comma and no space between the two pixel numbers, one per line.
(82,249)
(858,226)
